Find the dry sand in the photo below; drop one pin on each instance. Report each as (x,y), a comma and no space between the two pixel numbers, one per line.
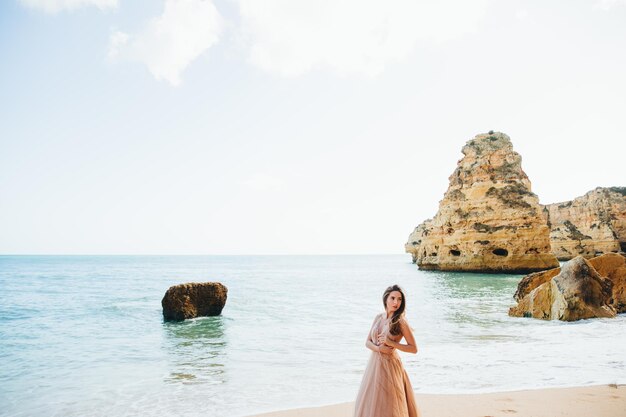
(595,401)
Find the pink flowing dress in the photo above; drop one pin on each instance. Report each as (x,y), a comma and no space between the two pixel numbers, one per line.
(385,389)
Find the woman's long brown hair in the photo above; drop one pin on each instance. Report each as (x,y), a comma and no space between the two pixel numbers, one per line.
(394,326)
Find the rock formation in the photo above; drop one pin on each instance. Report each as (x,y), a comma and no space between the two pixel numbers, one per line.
(489,220)
(185,301)
(532,303)
(613,267)
(589,225)
(610,265)
(576,292)
(532,281)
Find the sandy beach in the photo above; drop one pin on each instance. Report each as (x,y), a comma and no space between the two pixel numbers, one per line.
(594,401)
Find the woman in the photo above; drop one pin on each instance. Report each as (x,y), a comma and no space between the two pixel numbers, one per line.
(386,390)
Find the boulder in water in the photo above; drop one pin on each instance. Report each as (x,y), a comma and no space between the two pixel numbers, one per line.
(186,301)
(532,281)
(613,267)
(576,292)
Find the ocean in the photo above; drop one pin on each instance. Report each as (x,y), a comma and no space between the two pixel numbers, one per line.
(85,336)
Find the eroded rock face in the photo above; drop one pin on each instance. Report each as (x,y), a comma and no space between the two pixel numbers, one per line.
(489,220)
(532,281)
(613,267)
(610,265)
(590,225)
(576,292)
(186,301)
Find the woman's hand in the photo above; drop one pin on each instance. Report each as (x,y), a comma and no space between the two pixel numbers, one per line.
(385,349)
(384,344)
(383,339)
(389,342)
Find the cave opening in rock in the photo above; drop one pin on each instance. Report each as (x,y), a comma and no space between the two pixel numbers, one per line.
(455,252)
(500,252)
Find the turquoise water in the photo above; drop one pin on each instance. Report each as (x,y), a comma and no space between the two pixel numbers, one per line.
(84,335)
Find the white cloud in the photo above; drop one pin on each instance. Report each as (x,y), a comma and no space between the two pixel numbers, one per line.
(169,43)
(291,37)
(263,182)
(521,14)
(116,42)
(608,4)
(54,6)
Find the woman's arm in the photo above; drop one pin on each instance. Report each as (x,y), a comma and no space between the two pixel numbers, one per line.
(371,346)
(375,348)
(368,342)
(410,346)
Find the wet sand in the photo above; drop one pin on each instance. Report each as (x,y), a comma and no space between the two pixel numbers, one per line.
(594,401)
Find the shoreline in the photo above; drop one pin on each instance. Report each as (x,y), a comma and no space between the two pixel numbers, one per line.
(608,400)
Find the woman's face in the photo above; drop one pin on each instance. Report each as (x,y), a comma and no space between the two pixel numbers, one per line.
(394,301)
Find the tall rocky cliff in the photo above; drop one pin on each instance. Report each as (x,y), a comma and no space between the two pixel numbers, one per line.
(589,225)
(489,220)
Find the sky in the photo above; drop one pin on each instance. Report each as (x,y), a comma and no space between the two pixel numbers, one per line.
(289,126)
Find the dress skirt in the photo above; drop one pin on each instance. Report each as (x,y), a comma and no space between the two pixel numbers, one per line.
(385,389)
